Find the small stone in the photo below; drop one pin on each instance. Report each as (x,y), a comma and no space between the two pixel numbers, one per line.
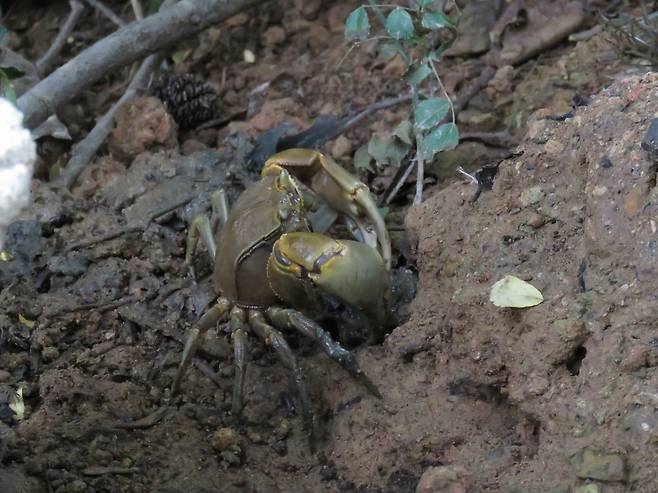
(588,488)
(280,447)
(535,220)
(77,486)
(237,20)
(5,376)
(49,354)
(531,196)
(274,35)
(633,202)
(605,162)
(231,458)
(226,439)
(443,479)
(599,464)
(637,357)
(231,97)
(282,431)
(554,146)
(341,147)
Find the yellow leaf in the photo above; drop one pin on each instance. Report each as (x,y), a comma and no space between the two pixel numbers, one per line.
(180,56)
(249,56)
(5,256)
(515,293)
(17,405)
(25,321)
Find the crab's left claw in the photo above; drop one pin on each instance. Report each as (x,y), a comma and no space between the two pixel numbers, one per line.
(341,190)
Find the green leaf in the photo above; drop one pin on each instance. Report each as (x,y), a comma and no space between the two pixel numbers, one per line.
(429,113)
(3,32)
(399,24)
(514,293)
(387,151)
(404,132)
(362,159)
(418,75)
(387,50)
(10,94)
(436,20)
(442,138)
(383,211)
(357,25)
(12,72)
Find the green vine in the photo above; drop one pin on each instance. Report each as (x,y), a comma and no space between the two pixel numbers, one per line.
(426,130)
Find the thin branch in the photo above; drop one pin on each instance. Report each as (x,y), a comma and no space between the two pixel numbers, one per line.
(44,63)
(85,150)
(137,9)
(107,12)
(132,227)
(132,43)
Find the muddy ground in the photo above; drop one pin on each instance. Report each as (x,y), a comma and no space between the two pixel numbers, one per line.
(562,397)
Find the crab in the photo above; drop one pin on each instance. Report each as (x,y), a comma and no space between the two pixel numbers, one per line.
(275,269)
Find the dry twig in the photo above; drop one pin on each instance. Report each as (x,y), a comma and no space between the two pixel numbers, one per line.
(44,63)
(134,42)
(107,12)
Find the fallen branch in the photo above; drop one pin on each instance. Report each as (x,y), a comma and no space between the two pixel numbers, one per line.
(44,63)
(107,12)
(85,150)
(134,42)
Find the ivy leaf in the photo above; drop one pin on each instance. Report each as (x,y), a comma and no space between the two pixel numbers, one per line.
(430,112)
(362,159)
(357,25)
(436,20)
(387,50)
(442,138)
(418,75)
(399,24)
(387,150)
(404,132)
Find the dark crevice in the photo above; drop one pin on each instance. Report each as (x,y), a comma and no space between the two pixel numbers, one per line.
(576,360)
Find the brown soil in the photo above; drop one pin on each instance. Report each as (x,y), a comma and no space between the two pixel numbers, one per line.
(546,399)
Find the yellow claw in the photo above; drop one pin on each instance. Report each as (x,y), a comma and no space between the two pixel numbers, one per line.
(340,189)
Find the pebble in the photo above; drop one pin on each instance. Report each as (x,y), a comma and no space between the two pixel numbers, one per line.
(531,195)
(225,439)
(599,464)
(49,354)
(535,220)
(442,479)
(274,35)
(341,147)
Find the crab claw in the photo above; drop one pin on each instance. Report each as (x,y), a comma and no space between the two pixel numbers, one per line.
(340,279)
(341,190)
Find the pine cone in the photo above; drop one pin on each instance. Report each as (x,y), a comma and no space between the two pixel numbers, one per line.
(190,101)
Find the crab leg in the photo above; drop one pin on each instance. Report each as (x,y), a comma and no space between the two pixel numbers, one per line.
(219,207)
(209,319)
(275,339)
(294,319)
(200,227)
(239,336)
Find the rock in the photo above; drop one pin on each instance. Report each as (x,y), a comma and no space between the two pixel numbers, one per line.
(443,479)
(588,488)
(226,439)
(341,147)
(531,196)
(97,175)
(282,431)
(636,358)
(599,464)
(477,121)
(535,220)
(277,111)
(633,202)
(49,354)
(5,376)
(77,486)
(142,124)
(308,8)
(274,35)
